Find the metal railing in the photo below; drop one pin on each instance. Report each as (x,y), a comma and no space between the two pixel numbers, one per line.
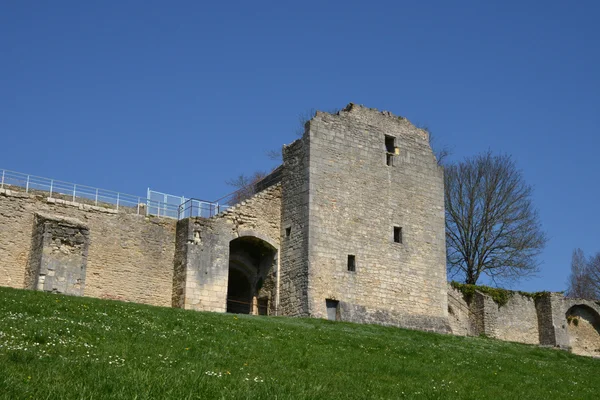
(199,208)
(72,192)
(207,209)
(156,203)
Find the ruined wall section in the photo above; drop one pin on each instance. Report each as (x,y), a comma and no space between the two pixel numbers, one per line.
(202,261)
(461,318)
(130,257)
(355,202)
(517,320)
(58,257)
(295,229)
(478,314)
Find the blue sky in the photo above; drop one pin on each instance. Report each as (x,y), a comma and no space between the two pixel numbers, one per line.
(180,96)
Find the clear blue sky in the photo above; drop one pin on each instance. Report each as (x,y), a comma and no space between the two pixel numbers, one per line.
(181,96)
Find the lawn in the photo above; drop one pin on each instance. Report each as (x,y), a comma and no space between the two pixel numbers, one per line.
(60,347)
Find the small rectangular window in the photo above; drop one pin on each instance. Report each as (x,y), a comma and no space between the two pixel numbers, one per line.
(351,263)
(288,231)
(333,309)
(390,150)
(390,144)
(397,234)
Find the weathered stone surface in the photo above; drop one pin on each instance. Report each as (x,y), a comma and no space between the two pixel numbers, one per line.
(203,256)
(57,261)
(345,200)
(129,257)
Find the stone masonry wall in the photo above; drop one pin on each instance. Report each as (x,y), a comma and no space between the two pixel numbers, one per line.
(460,316)
(547,319)
(517,321)
(58,257)
(294,229)
(202,262)
(130,257)
(355,202)
(583,326)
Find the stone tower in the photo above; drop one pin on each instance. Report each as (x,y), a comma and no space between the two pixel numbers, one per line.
(362,222)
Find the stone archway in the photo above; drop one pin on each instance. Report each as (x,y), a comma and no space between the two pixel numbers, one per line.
(583,326)
(251,281)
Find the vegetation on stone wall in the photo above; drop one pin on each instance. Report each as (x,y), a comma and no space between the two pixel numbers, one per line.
(499,295)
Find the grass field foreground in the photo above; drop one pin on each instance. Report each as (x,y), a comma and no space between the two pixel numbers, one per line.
(60,347)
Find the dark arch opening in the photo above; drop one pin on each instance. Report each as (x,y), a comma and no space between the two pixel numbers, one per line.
(251,279)
(239,292)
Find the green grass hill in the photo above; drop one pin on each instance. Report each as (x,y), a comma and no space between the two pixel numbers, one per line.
(60,347)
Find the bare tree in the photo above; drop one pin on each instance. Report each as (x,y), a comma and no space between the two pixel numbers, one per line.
(594,271)
(245,186)
(492,227)
(584,281)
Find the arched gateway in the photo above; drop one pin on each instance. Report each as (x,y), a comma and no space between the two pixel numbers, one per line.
(251,278)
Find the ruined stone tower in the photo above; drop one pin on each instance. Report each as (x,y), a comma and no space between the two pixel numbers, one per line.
(362,222)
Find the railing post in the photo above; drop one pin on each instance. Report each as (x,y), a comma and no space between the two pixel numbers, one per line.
(117,201)
(138,206)
(74,191)
(2,185)
(51,184)
(27,185)
(96,196)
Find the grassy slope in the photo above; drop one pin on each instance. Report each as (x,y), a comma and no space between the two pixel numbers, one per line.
(60,347)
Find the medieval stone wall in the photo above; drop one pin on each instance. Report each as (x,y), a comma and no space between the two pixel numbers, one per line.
(355,202)
(461,318)
(294,233)
(203,255)
(517,321)
(548,319)
(129,257)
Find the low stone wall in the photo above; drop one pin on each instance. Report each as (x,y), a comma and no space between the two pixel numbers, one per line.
(517,321)
(460,315)
(128,257)
(548,319)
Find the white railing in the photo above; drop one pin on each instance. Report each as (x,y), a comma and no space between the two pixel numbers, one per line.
(56,189)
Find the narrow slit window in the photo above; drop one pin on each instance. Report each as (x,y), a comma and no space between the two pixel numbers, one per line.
(397,234)
(390,144)
(288,231)
(351,263)
(390,150)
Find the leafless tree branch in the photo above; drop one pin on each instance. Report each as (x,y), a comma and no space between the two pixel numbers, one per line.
(491,226)
(584,280)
